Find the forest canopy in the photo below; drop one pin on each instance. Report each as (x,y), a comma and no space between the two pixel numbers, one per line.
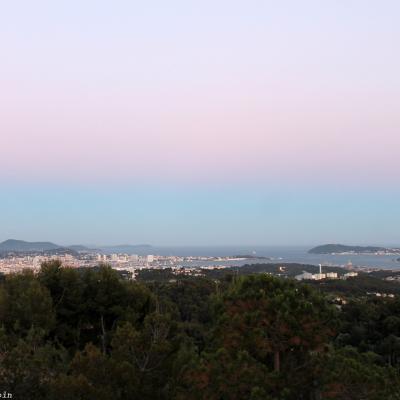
(93,334)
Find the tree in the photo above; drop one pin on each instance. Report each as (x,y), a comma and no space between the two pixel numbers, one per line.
(25,303)
(148,351)
(67,289)
(28,366)
(90,376)
(268,333)
(348,375)
(275,318)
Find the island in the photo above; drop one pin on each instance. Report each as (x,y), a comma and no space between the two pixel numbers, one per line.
(344,249)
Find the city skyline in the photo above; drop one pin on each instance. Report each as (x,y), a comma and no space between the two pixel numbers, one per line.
(225,123)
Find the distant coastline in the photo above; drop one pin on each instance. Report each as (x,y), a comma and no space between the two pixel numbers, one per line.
(354,250)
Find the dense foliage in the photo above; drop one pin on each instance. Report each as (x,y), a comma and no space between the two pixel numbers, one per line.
(91,334)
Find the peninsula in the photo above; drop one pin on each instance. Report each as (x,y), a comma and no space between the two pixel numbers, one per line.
(344,249)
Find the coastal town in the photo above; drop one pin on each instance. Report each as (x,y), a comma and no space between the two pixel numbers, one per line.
(131,264)
(16,262)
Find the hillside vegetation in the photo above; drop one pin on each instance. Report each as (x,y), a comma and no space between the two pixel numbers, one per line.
(92,335)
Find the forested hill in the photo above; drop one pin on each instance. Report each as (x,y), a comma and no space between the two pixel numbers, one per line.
(89,334)
(340,248)
(22,246)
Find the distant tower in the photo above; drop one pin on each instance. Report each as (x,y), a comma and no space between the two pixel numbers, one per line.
(320,269)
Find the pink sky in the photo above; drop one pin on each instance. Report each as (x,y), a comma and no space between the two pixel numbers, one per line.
(133,94)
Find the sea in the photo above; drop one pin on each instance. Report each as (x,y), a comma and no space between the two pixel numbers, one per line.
(278,254)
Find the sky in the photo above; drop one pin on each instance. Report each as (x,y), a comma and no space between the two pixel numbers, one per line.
(200,123)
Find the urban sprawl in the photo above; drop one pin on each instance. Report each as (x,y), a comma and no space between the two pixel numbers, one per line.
(132,263)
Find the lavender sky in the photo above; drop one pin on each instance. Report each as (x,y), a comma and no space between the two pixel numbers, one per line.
(200,122)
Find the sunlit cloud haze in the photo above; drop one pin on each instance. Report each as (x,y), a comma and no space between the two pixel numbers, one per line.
(201,97)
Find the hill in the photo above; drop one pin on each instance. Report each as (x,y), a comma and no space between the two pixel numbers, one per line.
(21,246)
(81,249)
(12,245)
(340,248)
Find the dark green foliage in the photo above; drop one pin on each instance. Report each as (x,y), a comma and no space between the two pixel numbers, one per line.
(266,328)
(25,303)
(372,325)
(340,248)
(349,375)
(358,286)
(90,334)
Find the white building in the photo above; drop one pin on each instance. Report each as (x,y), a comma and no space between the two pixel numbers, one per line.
(303,276)
(331,275)
(316,277)
(350,275)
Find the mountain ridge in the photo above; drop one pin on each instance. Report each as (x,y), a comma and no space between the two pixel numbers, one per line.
(22,246)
